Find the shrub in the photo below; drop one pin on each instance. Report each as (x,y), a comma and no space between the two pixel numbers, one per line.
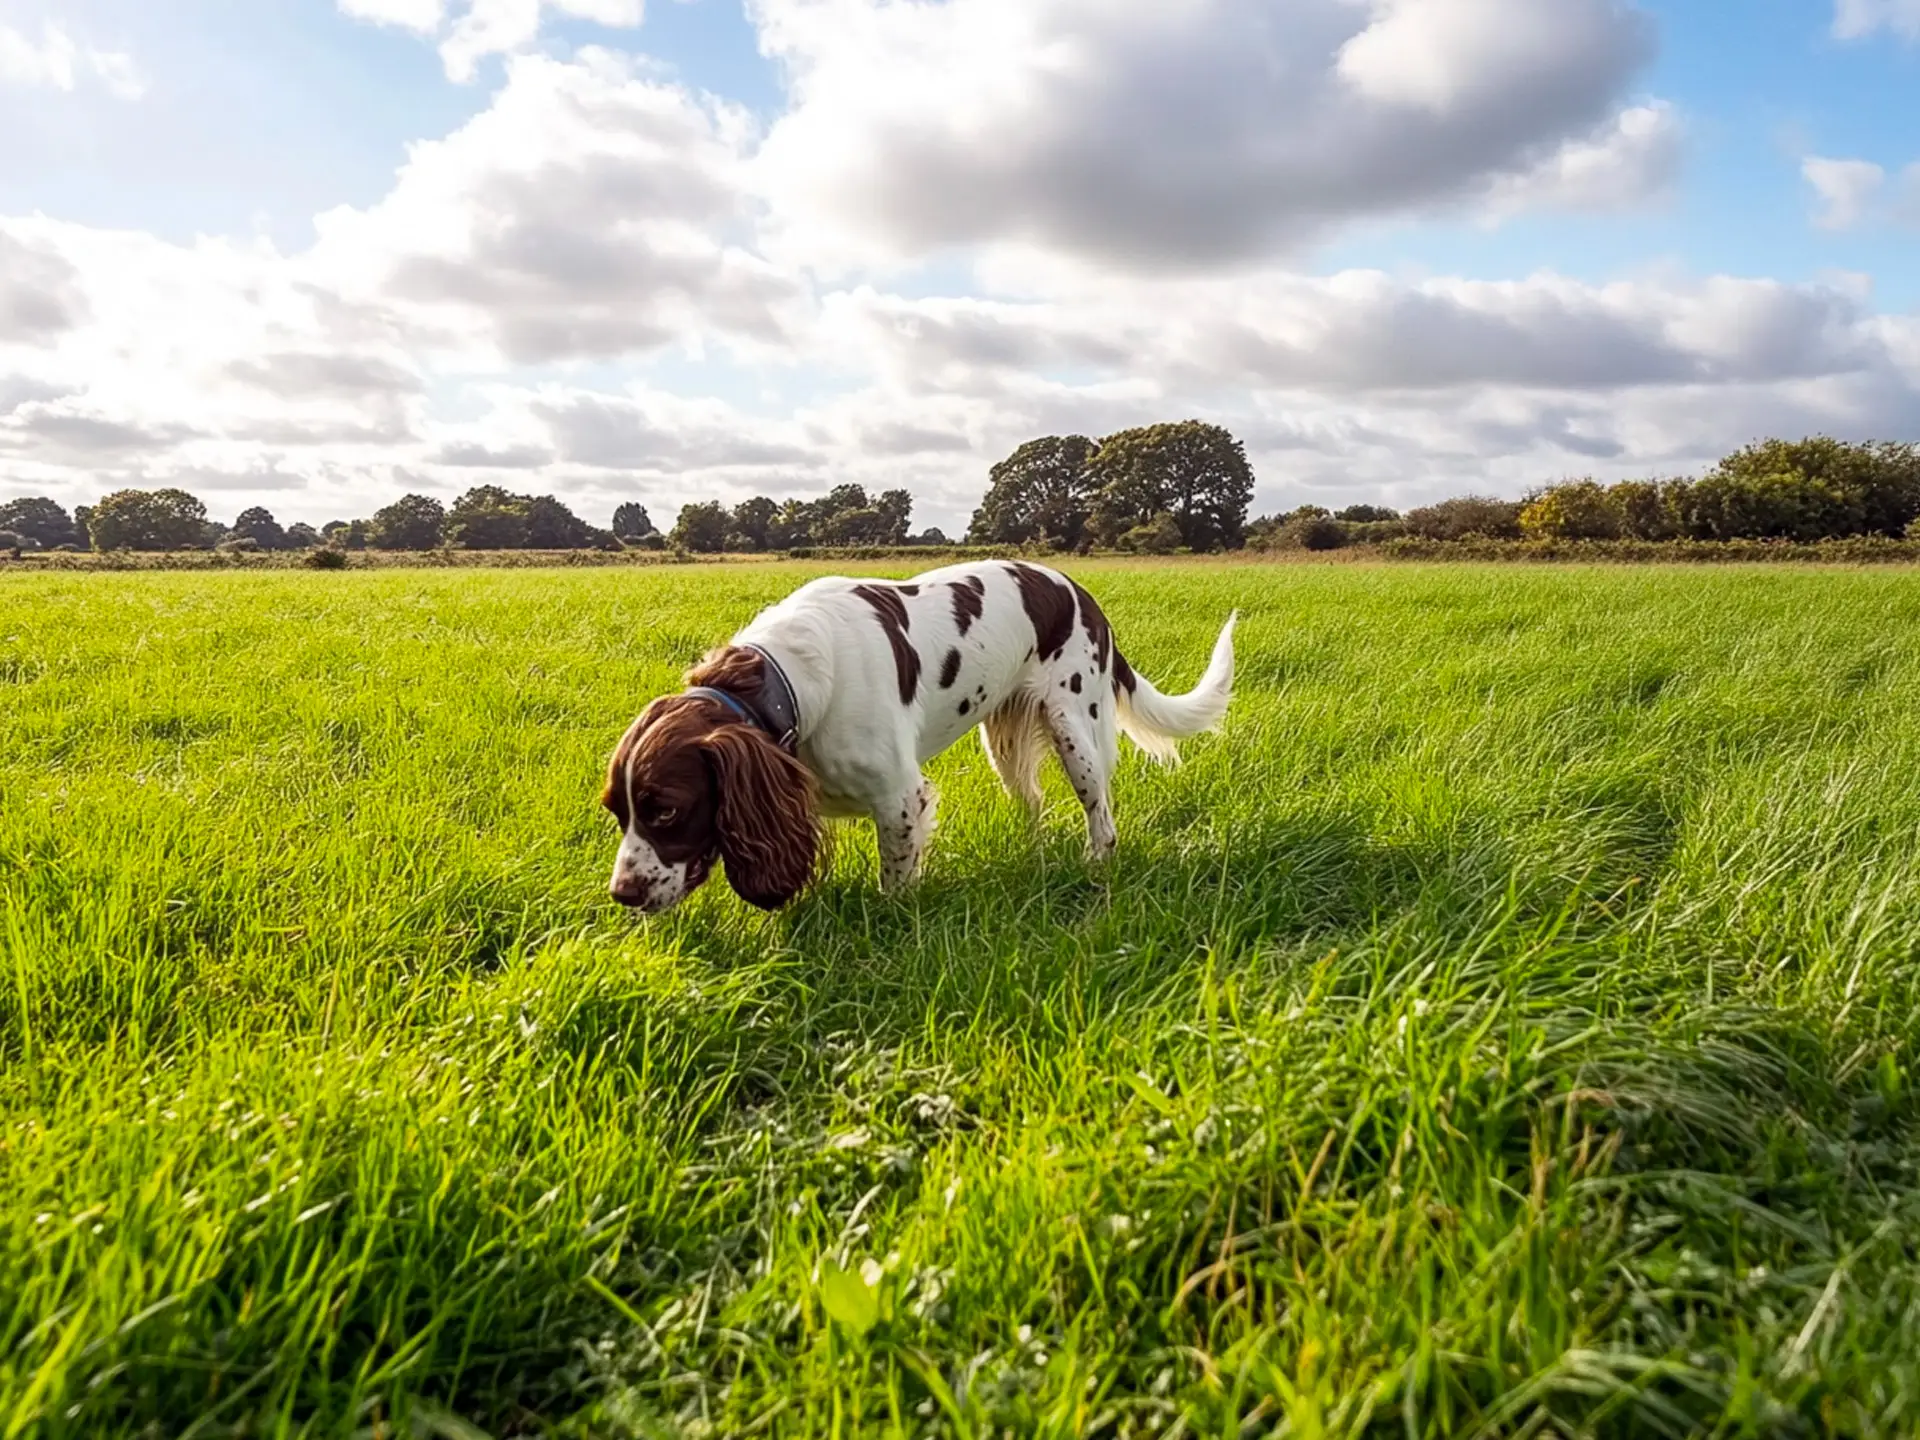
(11,542)
(1314,532)
(1577,510)
(1158,536)
(1467,515)
(326,558)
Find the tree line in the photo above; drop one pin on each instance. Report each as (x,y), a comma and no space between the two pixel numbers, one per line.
(1155,489)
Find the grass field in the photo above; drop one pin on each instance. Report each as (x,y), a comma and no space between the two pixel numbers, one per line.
(1506,1026)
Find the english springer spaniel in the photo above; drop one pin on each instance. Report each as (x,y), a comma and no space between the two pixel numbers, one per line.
(829,702)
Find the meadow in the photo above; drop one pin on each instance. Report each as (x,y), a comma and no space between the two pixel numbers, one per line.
(1506,1027)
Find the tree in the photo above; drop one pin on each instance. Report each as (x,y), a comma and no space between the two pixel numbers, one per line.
(39,522)
(1822,485)
(752,524)
(1041,494)
(1367,514)
(631,522)
(258,525)
(147,520)
(13,542)
(413,522)
(345,534)
(301,536)
(1577,510)
(1466,515)
(702,527)
(552,526)
(1195,472)
(81,515)
(487,518)
(1646,508)
(895,509)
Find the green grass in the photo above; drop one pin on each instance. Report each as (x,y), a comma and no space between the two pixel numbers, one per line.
(1505,1027)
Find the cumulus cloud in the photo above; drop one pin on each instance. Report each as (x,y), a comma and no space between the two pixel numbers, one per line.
(1853,193)
(1631,159)
(588,211)
(481,28)
(56,61)
(1853,19)
(1845,188)
(39,291)
(1168,133)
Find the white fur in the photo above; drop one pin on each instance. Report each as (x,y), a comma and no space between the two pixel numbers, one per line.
(865,748)
(638,869)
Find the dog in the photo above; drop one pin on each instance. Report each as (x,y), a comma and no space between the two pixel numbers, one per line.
(828,703)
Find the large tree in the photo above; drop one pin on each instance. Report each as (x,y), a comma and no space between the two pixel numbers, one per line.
(552,526)
(488,518)
(147,520)
(702,527)
(753,524)
(1041,494)
(40,522)
(631,522)
(1193,471)
(413,522)
(258,525)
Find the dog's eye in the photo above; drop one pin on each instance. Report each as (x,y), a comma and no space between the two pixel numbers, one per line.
(653,813)
(665,817)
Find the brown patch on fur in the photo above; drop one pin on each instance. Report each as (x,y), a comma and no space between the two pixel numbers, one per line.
(1094,620)
(969,598)
(965,706)
(891,611)
(1074,683)
(1048,606)
(950,669)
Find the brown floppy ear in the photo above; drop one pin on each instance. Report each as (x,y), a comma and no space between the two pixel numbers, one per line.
(769,825)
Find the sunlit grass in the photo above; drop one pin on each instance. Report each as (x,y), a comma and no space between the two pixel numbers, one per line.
(1505,1026)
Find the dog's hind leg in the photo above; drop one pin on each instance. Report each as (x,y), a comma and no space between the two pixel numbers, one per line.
(1013,739)
(1086,738)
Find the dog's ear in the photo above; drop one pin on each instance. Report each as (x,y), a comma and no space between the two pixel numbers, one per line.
(768,822)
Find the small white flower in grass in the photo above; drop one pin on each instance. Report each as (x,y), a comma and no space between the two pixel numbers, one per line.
(871,1273)
(42,1218)
(1023,1334)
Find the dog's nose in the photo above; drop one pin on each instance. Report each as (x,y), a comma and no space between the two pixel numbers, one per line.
(631,896)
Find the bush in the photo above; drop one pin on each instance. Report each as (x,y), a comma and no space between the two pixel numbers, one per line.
(1159,536)
(1314,532)
(12,543)
(1577,510)
(1467,515)
(326,558)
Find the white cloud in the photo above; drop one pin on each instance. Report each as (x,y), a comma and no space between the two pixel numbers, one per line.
(58,62)
(1853,19)
(1169,133)
(422,15)
(1630,159)
(587,212)
(488,27)
(1846,189)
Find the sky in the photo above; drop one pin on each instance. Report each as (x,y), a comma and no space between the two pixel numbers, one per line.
(313,254)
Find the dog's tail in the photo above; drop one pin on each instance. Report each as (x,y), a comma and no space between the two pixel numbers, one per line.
(1156,722)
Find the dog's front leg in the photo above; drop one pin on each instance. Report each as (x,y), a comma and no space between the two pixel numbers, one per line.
(902,825)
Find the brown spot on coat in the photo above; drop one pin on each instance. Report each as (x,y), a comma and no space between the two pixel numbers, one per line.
(891,611)
(965,706)
(949,669)
(1074,683)
(1048,605)
(1094,620)
(969,595)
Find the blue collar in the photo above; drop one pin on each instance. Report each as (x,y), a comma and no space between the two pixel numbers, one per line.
(778,713)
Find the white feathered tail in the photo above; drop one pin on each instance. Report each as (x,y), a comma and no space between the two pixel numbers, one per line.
(1157,723)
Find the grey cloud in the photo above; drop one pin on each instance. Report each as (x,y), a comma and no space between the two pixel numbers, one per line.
(470,455)
(1180,136)
(40,295)
(54,432)
(300,374)
(619,434)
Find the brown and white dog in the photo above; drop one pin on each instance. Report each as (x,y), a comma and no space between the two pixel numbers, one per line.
(829,702)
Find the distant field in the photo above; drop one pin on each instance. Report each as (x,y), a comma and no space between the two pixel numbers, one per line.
(1506,1026)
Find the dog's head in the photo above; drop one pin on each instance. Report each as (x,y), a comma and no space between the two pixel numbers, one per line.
(691,783)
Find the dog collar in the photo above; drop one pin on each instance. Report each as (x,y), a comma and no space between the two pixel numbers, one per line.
(778,713)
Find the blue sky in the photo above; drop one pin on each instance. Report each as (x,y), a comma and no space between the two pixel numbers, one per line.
(881,241)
